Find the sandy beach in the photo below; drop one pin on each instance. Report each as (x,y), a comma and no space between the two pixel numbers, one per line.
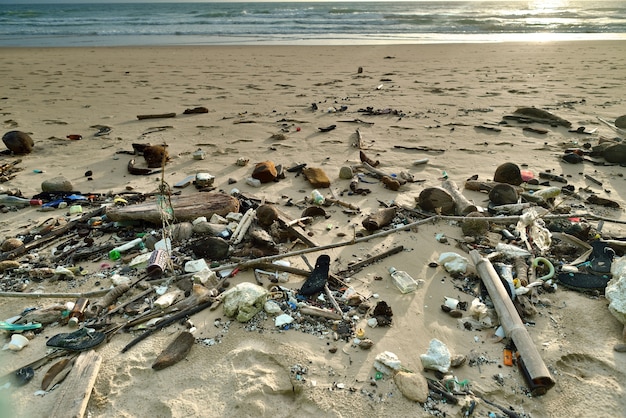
(444,103)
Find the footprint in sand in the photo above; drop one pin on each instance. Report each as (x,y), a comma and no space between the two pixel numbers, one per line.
(577,376)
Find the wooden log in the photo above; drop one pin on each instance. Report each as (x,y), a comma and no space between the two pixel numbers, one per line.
(462,205)
(77,387)
(185,208)
(379,219)
(437,199)
(157,116)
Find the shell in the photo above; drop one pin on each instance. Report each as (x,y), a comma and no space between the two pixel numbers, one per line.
(503,194)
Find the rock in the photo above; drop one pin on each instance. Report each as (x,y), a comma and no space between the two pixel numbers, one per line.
(266,215)
(508,173)
(615,153)
(503,194)
(346,173)
(213,248)
(458,360)
(57,184)
(11,244)
(209,228)
(18,142)
(265,172)
(621,122)
(412,385)
(8,265)
(317,177)
(181,232)
(474,226)
(620,348)
(437,357)
(244,301)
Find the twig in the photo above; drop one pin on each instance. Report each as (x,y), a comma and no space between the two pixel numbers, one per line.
(360,265)
(54,295)
(166,322)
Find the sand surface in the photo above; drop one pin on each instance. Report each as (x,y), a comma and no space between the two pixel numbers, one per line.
(437,94)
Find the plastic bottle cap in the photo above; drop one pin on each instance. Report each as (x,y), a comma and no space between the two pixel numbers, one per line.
(114,255)
(73,322)
(392,270)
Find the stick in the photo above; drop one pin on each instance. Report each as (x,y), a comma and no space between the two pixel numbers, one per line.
(315,311)
(539,374)
(361,264)
(157,116)
(166,322)
(53,295)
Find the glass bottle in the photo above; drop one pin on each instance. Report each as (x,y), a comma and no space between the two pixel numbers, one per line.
(77,314)
(403,281)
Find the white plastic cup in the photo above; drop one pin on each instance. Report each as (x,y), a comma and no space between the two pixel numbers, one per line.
(18,341)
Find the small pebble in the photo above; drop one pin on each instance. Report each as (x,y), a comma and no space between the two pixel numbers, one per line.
(620,348)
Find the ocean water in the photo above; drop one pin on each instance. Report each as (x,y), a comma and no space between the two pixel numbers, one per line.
(321,23)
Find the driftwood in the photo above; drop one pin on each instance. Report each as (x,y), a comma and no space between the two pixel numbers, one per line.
(361,264)
(461,204)
(170,320)
(157,116)
(537,374)
(185,208)
(75,392)
(379,219)
(175,351)
(324,313)
(436,199)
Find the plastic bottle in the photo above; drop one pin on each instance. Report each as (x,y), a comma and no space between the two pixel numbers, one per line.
(77,314)
(403,281)
(317,197)
(116,252)
(9,200)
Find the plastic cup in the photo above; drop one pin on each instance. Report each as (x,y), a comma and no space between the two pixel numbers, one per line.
(18,341)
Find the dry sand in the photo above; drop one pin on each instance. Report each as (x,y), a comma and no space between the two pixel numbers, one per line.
(442,91)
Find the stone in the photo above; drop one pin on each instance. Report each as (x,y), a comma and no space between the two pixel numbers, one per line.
(474,226)
(18,142)
(11,244)
(212,248)
(346,173)
(244,301)
(503,194)
(57,184)
(509,173)
(265,172)
(8,265)
(209,228)
(412,385)
(266,215)
(615,153)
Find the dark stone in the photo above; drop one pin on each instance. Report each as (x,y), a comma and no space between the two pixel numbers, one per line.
(503,194)
(212,248)
(18,142)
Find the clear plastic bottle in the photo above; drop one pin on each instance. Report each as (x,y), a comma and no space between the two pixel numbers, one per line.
(403,281)
(317,197)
